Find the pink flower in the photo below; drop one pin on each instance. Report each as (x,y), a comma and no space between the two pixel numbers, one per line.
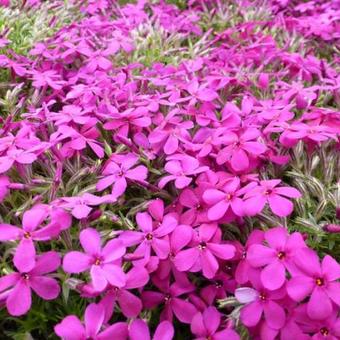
(193,200)
(102,262)
(150,237)
(200,92)
(16,156)
(71,327)
(130,304)
(204,252)
(319,281)
(25,253)
(140,331)
(179,238)
(70,114)
(239,148)
(268,191)
(224,200)
(18,285)
(244,269)
(328,328)
(81,206)
(275,258)
(118,171)
(180,169)
(205,326)
(173,304)
(261,302)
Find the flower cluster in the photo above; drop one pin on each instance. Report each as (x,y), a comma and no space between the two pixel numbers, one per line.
(155,193)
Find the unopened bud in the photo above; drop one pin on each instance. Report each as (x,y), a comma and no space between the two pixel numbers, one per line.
(332,228)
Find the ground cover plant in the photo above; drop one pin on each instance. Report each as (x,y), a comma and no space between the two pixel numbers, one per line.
(169,169)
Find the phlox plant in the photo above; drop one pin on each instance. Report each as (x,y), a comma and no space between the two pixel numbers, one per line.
(169,170)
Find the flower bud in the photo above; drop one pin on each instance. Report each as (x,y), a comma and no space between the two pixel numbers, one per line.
(332,228)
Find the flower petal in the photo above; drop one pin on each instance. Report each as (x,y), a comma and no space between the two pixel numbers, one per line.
(46,287)
(319,306)
(70,328)
(76,262)
(19,299)
(273,276)
(94,318)
(90,241)
(24,258)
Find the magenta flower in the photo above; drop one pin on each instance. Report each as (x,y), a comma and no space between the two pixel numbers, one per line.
(328,328)
(200,92)
(180,171)
(47,78)
(205,326)
(149,237)
(102,262)
(130,304)
(79,140)
(318,281)
(25,253)
(244,269)
(224,200)
(261,302)
(70,114)
(204,252)
(179,238)
(193,200)
(239,148)
(71,328)
(173,304)
(268,191)
(18,285)
(81,206)
(14,156)
(118,171)
(139,330)
(275,258)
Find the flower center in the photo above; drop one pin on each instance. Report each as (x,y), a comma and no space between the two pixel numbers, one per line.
(268,192)
(27,235)
(25,276)
(171,255)
(319,281)
(97,261)
(202,246)
(262,296)
(167,297)
(324,331)
(281,255)
(228,197)
(149,236)
(218,284)
(244,254)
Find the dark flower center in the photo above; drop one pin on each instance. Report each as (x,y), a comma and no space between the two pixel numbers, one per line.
(167,297)
(281,255)
(171,255)
(262,296)
(268,192)
(218,284)
(25,276)
(149,236)
(324,331)
(319,281)
(27,235)
(244,254)
(202,246)
(97,261)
